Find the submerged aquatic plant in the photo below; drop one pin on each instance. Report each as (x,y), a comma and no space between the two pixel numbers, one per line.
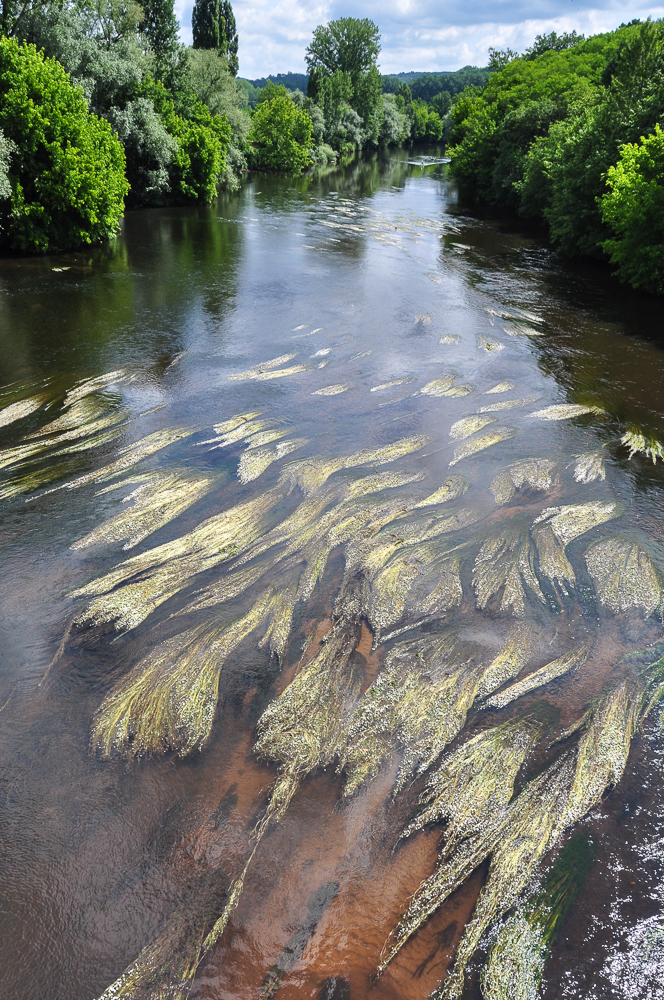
(22,408)
(534,473)
(507,404)
(389,385)
(517,957)
(506,386)
(506,563)
(557,668)
(300,732)
(169,699)
(453,487)
(642,443)
(439,386)
(154,503)
(130,456)
(589,467)
(98,382)
(261,369)
(131,591)
(469,425)
(332,390)
(418,703)
(484,793)
(565,411)
(475,445)
(510,660)
(474,781)
(556,527)
(79,414)
(518,836)
(624,576)
(254,463)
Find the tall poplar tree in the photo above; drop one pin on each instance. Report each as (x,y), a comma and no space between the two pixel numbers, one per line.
(213,27)
(205,25)
(160,27)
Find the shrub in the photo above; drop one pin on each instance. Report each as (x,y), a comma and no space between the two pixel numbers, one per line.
(634,208)
(68,183)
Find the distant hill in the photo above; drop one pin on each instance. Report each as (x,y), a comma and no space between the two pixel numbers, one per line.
(291,81)
(427,85)
(422,85)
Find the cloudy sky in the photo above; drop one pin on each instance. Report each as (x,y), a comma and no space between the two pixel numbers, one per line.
(416,34)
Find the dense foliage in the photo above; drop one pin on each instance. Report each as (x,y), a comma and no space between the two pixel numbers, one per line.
(281,134)
(61,167)
(426,86)
(177,112)
(634,209)
(291,81)
(213,27)
(550,129)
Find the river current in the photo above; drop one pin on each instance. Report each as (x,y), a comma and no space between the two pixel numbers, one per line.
(333,583)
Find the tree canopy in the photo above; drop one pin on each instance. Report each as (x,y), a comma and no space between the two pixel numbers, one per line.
(213,27)
(348,45)
(551,129)
(65,167)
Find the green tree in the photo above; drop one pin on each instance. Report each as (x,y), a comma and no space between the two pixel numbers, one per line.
(202,141)
(213,27)
(13,13)
(345,82)
(552,43)
(441,102)
(230,35)
(396,126)
(499,58)
(160,29)
(281,134)
(160,26)
(6,150)
(68,175)
(348,44)
(205,26)
(634,209)
(427,125)
(270,91)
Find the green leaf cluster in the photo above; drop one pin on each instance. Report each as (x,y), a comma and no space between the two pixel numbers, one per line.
(634,209)
(202,140)
(67,171)
(213,27)
(544,137)
(281,135)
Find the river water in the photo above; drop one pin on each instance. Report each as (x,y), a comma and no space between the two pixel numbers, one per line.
(360,341)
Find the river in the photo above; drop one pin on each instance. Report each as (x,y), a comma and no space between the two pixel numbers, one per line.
(327,571)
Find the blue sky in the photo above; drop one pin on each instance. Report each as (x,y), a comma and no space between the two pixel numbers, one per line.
(416,34)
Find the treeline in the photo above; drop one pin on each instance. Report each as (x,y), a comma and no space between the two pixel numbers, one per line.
(570,134)
(426,86)
(344,104)
(422,86)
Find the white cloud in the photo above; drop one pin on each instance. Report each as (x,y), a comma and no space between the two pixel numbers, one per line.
(416,34)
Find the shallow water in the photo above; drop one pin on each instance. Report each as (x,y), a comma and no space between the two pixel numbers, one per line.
(350,281)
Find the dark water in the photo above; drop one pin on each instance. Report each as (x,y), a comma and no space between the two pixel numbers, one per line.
(357,276)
